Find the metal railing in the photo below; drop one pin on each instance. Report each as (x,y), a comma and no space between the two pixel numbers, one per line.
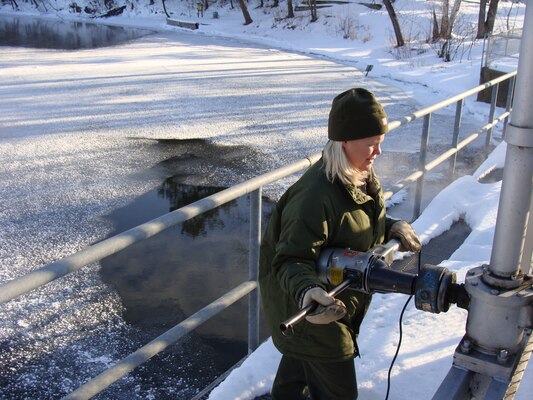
(96,252)
(501,46)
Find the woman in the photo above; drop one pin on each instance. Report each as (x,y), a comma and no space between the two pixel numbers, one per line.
(338,202)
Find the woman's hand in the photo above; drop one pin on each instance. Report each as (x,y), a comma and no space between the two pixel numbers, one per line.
(328,308)
(405,233)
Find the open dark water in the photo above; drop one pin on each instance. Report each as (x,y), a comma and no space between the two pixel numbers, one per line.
(21,31)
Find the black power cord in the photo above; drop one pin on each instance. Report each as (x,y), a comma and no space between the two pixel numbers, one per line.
(400,338)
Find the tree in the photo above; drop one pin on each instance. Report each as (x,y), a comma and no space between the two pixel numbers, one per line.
(486,25)
(444,32)
(447,20)
(247,19)
(395,24)
(165,9)
(312,7)
(290,9)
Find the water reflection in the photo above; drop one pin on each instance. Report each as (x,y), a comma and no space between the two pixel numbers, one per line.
(168,277)
(179,195)
(23,31)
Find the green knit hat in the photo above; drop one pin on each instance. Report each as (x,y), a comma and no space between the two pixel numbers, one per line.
(356,114)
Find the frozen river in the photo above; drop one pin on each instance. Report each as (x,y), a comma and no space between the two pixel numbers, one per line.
(94,141)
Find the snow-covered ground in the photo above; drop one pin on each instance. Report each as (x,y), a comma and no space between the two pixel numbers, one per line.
(78,126)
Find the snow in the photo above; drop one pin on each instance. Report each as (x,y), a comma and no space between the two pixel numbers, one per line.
(414,75)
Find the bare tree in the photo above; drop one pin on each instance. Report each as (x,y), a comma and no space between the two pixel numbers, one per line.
(444,20)
(395,24)
(447,20)
(312,7)
(435,33)
(290,9)
(486,20)
(164,8)
(247,19)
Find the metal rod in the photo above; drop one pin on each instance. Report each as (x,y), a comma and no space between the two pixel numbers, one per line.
(508,103)
(424,140)
(455,138)
(493,101)
(253,269)
(437,106)
(443,157)
(128,364)
(300,316)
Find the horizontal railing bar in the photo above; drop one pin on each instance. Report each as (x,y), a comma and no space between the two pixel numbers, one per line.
(107,247)
(126,365)
(447,154)
(425,111)
(440,159)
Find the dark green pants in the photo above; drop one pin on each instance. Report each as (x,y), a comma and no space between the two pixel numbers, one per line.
(323,381)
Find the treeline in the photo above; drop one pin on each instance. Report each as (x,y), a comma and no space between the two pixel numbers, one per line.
(444,14)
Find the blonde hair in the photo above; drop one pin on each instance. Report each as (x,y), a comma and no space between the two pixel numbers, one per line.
(336,165)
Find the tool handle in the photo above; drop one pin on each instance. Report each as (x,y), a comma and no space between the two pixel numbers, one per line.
(300,316)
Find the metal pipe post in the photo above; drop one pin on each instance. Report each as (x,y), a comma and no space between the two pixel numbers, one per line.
(508,103)
(517,182)
(253,268)
(493,101)
(422,164)
(455,139)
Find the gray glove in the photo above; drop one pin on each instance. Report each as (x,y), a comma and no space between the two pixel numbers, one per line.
(405,233)
(328,309)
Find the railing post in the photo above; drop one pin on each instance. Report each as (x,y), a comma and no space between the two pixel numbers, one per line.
(455,139)
(508,103)
(493,100)
(422,164)
(253,268)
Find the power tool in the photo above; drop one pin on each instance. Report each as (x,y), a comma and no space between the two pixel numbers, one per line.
(434,287)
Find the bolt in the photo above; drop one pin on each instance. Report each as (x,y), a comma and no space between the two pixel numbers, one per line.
(466,346)
(474,283)
(495,292)
(503,356)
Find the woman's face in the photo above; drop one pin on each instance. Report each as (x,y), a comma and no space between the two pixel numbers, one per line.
(361,153)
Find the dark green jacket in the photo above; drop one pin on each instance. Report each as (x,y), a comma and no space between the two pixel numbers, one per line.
(314,214)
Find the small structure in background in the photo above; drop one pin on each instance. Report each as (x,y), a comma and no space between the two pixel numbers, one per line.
(500,56)
(183,24)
